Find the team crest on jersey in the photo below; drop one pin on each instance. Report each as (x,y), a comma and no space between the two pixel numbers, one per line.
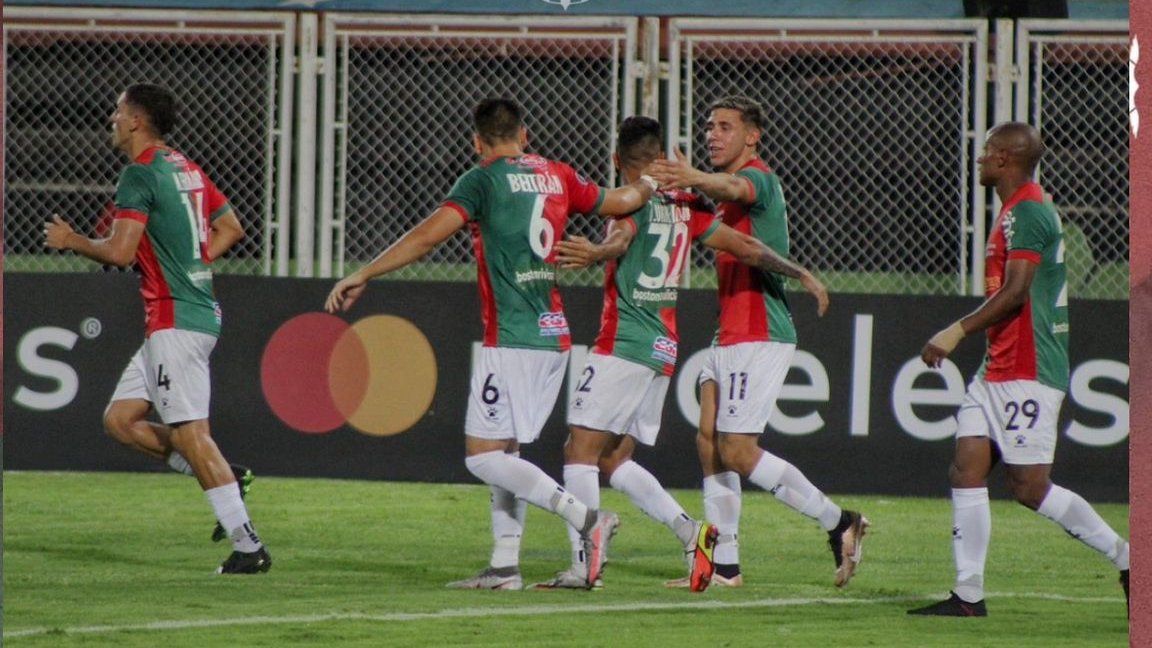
(1007,226)
(531,161)
(553,324)
(664,350)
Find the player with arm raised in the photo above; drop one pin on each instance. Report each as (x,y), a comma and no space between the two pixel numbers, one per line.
(516,206)
(753,347)
(172,221)
(620,395)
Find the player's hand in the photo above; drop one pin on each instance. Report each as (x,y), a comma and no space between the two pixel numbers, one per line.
(345,293)
(941,345)
(576,252)
(672,174)
(817,290)
(56,233)
(932,355)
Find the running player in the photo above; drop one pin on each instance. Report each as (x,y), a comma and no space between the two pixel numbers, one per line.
(172,221)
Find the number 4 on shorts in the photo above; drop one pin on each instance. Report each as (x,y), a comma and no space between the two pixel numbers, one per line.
(162,379)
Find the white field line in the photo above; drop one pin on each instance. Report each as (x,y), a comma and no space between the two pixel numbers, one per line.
(536,610)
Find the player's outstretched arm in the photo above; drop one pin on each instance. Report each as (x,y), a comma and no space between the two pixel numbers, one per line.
(753,252)
(724,187)
(415,243)
(1004,303)
(629,198)
(119,249)
(579,252)
(226,232)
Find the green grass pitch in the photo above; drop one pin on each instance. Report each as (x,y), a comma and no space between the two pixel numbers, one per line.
(124,560)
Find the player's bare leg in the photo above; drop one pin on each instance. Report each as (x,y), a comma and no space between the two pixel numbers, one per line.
(124,420)
(193,440)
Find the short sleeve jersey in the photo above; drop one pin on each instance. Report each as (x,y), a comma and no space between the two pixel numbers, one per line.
(517,208)
(1033,344)
(638,321)
(753,306)
(176,202)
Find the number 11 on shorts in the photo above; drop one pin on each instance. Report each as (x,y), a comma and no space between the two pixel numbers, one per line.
(733,378)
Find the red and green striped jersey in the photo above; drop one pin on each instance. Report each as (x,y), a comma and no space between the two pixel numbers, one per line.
(517,208)
(638,322)
(176,202)
(753,306)
(1033,344)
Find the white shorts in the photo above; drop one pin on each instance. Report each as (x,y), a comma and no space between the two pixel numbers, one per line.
(619,396)
(513,392)
(748,379)
(1019,415)
(170,371)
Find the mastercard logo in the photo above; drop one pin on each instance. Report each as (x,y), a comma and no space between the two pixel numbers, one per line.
(378,374)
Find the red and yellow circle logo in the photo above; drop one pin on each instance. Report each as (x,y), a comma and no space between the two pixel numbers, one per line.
(377,374)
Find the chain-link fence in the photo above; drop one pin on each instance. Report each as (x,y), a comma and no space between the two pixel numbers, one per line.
(64,72)
(871,132)
(404,104)
(1074,88)
(874,131)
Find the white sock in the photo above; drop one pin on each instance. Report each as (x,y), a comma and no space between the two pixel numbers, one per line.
(971,533)
(583,482)
(529,483)
(790,486)
(233,516)
(649,496)
(1082,522)
(508,514)
(722,504)
(177,462)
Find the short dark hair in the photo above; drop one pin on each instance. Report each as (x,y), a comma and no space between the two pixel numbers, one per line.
(639,141)
(751,112)
(498,119)
(157,102)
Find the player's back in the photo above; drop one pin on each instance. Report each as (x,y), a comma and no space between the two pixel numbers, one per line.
(517,208)
(176,200)
(638,320)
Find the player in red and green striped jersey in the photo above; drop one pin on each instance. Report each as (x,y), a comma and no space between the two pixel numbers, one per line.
(172,221)
(754,345)
(1010,411)
(516,206)
(620,396)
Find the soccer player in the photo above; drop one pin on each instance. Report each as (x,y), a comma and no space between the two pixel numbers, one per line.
(620,396)
(517,206)
(753,347)
(172,221)
(1012,405)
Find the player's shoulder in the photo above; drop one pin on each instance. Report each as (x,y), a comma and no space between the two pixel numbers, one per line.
(681,197)
(1039,212)
(756,168)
